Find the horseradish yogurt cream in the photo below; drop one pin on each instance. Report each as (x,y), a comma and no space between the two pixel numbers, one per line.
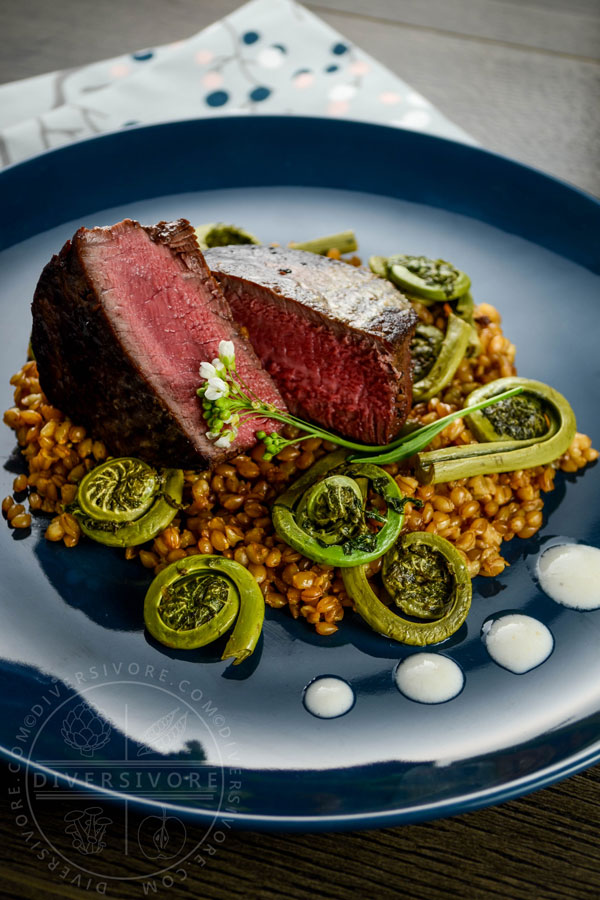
(429,678)
(570,574)
(328,697)
(517,642)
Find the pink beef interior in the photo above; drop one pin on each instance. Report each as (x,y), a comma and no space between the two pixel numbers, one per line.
(152,299)
(341,380)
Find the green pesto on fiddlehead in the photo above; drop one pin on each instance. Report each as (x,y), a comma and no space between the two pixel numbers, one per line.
(118,490)
(449,356)
(417,578)
(332,509)
(426,578)
(428,280)
(124,502)
(217,234)
(424,349)
(519,418)
(324,514)
(194,601)
(543,425)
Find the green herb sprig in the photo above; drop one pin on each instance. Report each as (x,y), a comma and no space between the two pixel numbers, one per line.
(227,402)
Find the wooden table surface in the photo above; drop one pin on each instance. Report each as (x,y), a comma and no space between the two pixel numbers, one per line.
(523,77)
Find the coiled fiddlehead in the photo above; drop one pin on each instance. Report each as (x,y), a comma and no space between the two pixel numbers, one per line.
(425,577)
(194,601)
(427,280)
(124,502)
(323,514)
(530,429)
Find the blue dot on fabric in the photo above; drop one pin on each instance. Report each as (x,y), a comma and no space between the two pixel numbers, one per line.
(250,37)
(280,47)
(300,72)
(130,123)
(332,68)
(260,93)
(217,98)
(339,49)
(142,55)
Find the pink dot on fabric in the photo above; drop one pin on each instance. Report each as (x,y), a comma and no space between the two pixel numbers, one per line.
(389,98)
(338,108)
(304,80)
(212,80)
(203,57)
(119,70)
(360,67)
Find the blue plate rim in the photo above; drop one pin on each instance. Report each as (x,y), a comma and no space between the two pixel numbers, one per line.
(352,821)
(559,187)
(167,124)
(348,822)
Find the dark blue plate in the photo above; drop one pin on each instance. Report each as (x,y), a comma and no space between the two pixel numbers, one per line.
(86,694)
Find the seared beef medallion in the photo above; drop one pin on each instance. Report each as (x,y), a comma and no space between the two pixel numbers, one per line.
(334,338)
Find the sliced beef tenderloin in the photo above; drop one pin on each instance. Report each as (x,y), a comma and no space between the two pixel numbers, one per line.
(122,319)
(335,338)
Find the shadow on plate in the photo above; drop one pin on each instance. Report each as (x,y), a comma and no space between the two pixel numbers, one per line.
(212,653)
(96,580)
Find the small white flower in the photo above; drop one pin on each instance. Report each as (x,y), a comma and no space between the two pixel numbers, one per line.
(225,440)
(208,370)
(212,435)
(227,353)
(216,389)
(232,420)
(219,367)
(219,384)
(214,394)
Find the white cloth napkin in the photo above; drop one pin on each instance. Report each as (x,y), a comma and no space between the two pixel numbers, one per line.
(269,56)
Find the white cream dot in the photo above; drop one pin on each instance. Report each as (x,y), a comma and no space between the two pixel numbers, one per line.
(328,697)
(429,678)
(517,642)
(570,574)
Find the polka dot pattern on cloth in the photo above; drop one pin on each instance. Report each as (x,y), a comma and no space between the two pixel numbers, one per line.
(269,56)
(142,55)
(259,94)
(217,98)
